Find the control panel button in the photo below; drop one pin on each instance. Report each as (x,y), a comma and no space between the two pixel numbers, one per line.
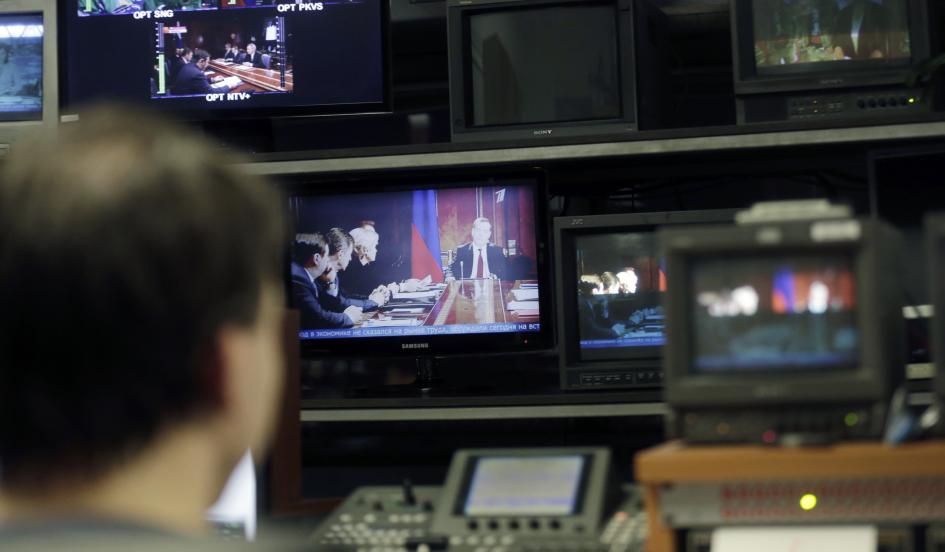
(554,524)
(473,525)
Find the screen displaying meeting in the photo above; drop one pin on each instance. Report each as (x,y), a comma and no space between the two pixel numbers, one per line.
(21,67)
(754,314)
(420,262)
(620,280)
(797,32)
(219,54)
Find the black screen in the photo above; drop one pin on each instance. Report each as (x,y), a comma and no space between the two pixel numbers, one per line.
(543,65)
(620,280)
(773,314)
(21,67)
(282,54)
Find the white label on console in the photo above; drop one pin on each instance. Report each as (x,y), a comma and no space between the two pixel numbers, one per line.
(795,539)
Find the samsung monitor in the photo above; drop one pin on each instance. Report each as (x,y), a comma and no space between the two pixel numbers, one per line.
(782,327)
(935,243)
(610,282)
(421,268)
(29,90)
(539,69)
(206,58)
(827,59)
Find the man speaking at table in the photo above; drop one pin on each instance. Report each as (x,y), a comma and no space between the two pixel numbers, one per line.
(479,258)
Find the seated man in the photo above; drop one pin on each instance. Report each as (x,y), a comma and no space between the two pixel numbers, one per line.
(134,383)
(479,258)
(310,259)
(192,79)
(252,58)
(341,247)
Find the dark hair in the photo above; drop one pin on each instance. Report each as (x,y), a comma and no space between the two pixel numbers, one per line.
(186,51)
(339,240)
(307,245)
(124,249)
(201,54)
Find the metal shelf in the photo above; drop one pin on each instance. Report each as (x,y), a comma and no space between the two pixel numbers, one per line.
(483,413)
(678,142)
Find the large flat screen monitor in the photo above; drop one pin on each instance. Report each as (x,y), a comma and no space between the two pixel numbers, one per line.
(611,279)
(935,240)
(422,269)
(202,57)
(29,95)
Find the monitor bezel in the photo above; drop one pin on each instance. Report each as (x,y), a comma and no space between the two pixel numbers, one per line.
(10,131)
(935,243)
(877,295)
(438,346)
(747,79)
(462,129)
(566,231)
(195,114)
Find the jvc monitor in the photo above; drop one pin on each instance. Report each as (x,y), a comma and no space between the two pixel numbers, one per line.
(205,56)
(422,269)
(611,279)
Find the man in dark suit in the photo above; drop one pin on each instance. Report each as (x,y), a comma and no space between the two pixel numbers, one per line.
(311,257)
(862,31)
(182,58)
(479,258)
(591,324)
(252,57)
(191,78)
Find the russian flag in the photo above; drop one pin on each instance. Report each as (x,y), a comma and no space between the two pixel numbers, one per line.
(782,294)
(425,237)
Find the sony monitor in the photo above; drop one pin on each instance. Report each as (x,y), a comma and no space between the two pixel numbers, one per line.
(203,58)
(827,59)
(935,243)
(29,90)
(421,268)
(778,328)
(538,69)
(610,281)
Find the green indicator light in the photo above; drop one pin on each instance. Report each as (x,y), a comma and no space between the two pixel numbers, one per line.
(851,419)
(912,100)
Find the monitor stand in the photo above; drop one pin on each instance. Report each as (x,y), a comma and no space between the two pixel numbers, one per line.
(427,374)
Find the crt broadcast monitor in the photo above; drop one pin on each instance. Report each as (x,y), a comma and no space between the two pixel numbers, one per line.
(29,90)
(610,281)
(462,264)
(771,315)
(206,58)
(540,69)
(935,243)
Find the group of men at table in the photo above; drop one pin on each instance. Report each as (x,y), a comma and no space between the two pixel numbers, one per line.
(188,69)
(318,258)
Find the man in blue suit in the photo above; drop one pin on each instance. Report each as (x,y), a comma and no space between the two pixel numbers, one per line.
(311,258)
(192,79)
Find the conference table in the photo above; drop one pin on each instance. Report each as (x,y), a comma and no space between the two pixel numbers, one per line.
(254,78)
(471,301)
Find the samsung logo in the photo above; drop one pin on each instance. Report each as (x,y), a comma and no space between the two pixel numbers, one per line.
(831,82)
(543,132)
(414,345)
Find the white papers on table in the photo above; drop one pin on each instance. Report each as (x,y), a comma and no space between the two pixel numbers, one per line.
(405,311)
(526,312)
(522,306)
(528,286)
(228,82)
(530,294)
(375,323)
(414,294)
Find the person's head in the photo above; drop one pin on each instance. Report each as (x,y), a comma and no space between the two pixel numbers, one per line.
(610,283)
(311,251)
(481,232)
(201,59)
(235,49)
(628,280)
(586,289)
(228,47)
(366,240)
(340,247)
(250,48)
(186,54)
(140,282)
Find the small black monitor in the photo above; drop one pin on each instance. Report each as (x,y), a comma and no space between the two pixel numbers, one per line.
(437,267)
(813,50)
(771,320)
(611,280)
(935,243)
(537,69)
(216,58)
(29,96)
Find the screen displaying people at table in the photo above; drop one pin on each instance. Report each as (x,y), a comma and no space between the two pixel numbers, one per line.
(21,67)
(754,314)
(218,54)
(419,262)
(620,280)
(796,32)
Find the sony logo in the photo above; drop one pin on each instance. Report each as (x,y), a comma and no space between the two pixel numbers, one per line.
(543,132)
(577,222)
(831,82)
(414,345)
(770,390)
